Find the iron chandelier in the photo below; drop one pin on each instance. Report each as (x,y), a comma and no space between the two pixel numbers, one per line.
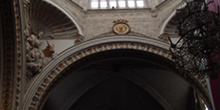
(197,52)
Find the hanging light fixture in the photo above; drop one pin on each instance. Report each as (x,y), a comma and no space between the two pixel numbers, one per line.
(197,52)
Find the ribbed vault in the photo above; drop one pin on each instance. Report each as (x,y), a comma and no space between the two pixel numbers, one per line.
(51,21)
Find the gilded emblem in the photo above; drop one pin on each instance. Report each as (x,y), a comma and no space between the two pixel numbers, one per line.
(121,27)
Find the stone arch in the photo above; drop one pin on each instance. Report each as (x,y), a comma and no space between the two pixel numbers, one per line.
(11,54)
(91,79)
(43,82)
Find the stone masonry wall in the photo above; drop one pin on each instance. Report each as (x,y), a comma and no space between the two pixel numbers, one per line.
(147,21)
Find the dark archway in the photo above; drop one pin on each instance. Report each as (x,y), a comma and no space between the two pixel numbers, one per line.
(118,80)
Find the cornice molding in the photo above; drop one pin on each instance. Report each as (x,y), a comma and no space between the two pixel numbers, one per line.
(19,60)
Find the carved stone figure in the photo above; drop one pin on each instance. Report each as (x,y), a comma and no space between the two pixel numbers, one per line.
(36,58)
(33,41)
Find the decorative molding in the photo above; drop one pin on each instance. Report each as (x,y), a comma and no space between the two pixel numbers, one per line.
(12,70)
(43,82)
(19,60)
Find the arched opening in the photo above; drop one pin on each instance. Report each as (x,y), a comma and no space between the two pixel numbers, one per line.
(91,51)
(121,79)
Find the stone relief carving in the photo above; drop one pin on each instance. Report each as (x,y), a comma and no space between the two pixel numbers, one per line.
(36,58)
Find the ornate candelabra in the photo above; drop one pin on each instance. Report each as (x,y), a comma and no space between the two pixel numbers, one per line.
(197,52)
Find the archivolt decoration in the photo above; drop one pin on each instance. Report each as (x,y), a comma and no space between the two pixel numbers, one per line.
(38,90)
(12,70)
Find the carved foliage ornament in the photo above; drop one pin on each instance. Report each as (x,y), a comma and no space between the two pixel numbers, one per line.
(121,27)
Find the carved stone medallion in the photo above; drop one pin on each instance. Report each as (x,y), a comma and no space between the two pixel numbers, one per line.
(121,27)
